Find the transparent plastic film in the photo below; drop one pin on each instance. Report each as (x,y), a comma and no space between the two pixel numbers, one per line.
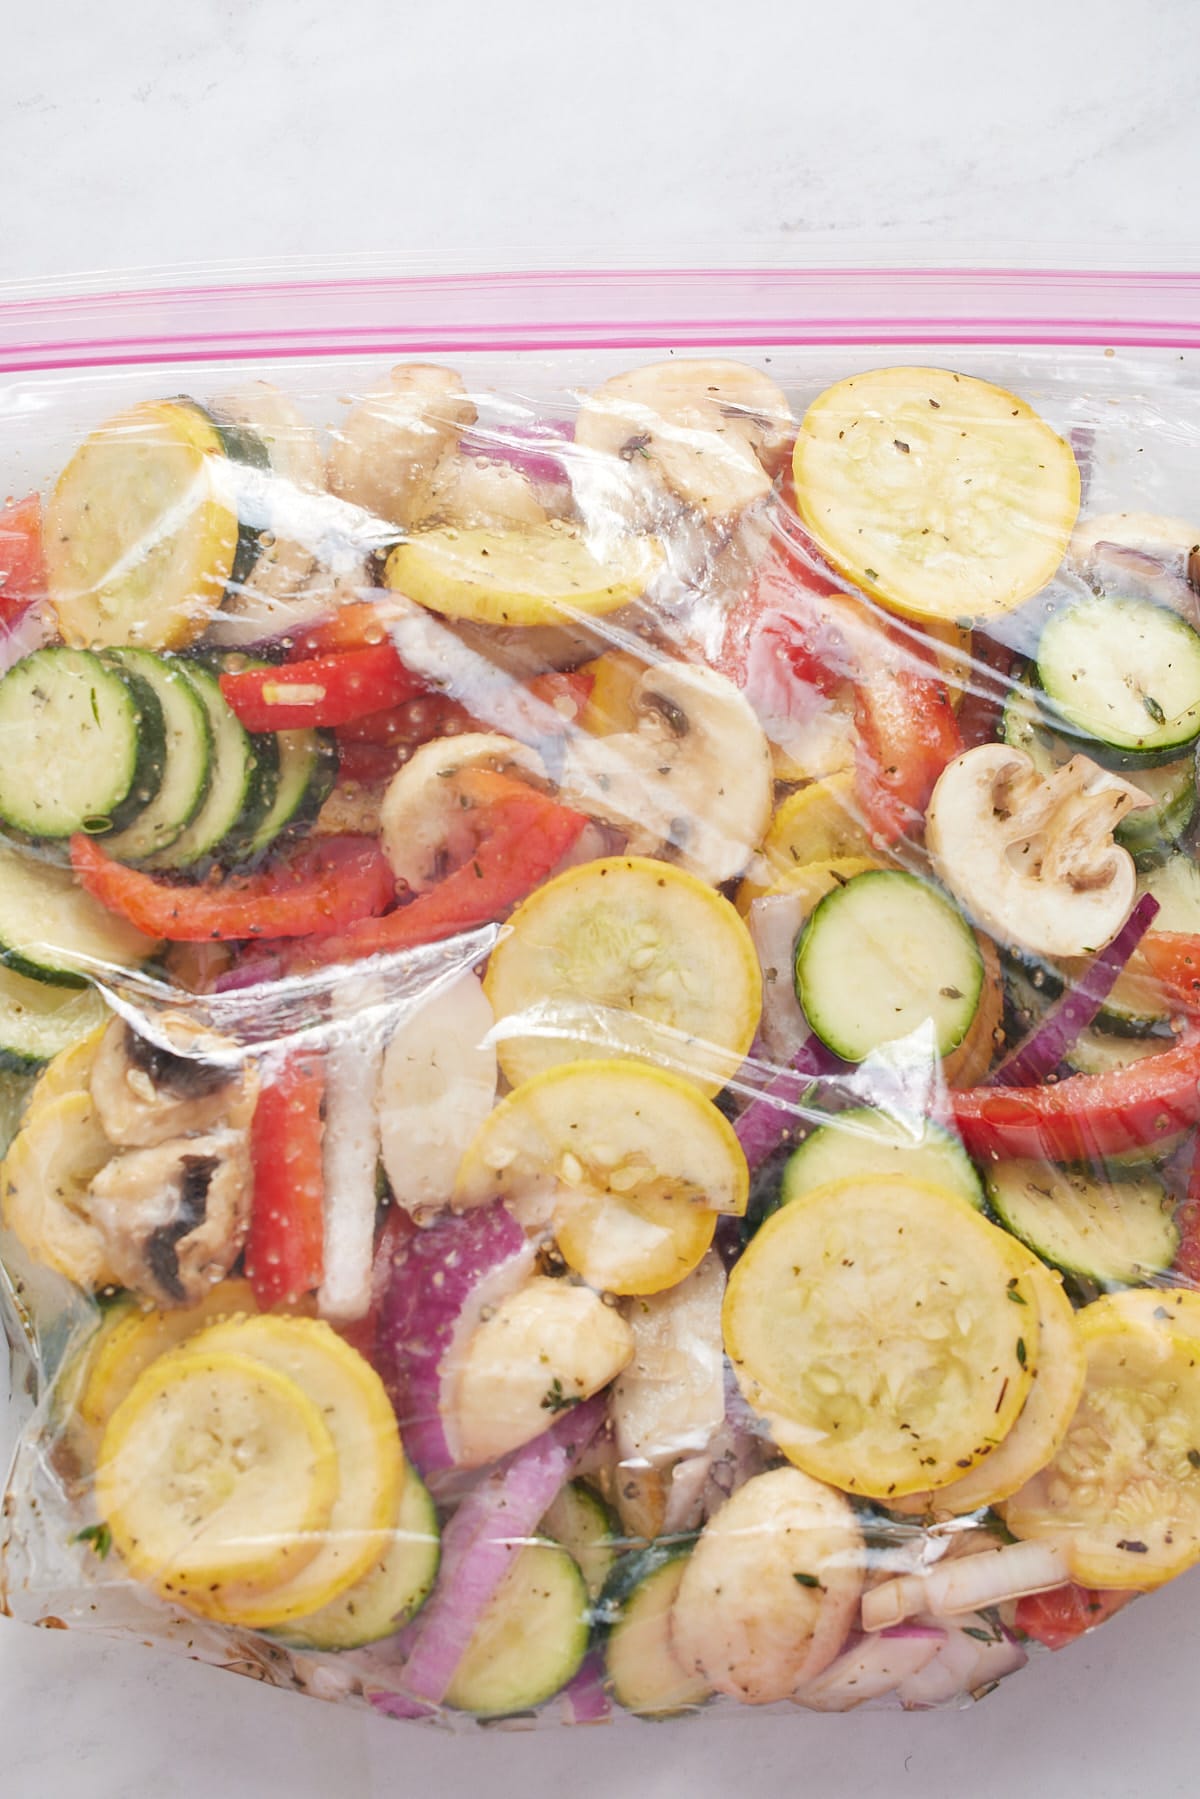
(598,970)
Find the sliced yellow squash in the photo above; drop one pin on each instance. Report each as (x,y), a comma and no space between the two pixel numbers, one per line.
(874,1327)
(639,1164)
(1121,1497)
(942,495)
(44,1184)
(809,882)
(69,1072)
(625,957)
(1043,1422)
(632,1243)
(542,575)
(216,1470)
(141,531)
(351,1398)
(131,1338)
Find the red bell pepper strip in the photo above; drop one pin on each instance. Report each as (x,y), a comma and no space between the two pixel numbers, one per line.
(22,568)
(989,680)
(359,626)
(565,693)
(1060,1616)
(907,733)
(1173,957)
(521,836)
(1186,1265)
(370,763)
(1086,1115)
(413,722)
(285,1253)
(328,690)
(328,886)
(432,715)
(799,636)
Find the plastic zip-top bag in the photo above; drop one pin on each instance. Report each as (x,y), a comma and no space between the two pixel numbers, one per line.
(599,949)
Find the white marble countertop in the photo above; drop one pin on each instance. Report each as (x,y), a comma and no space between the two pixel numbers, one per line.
(1046,133)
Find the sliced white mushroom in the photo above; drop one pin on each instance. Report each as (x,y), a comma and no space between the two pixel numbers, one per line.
(711,434)
(695,777)
(471,490)
(543,1350)
(423,815)
(1032,858)
(174,1217)
(289,439)
(145,1094)
(770,1591)
(437,1085)
(390,446)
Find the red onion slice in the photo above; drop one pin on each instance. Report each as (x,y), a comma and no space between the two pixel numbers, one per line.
(436,1274)
(1040,1054)
(773,1112)
(481,1541)
(586,1697)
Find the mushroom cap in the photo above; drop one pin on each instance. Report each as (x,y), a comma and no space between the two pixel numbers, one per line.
(713,433)
(1032,858)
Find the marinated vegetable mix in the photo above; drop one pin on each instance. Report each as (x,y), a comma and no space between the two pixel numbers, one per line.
(602,1029)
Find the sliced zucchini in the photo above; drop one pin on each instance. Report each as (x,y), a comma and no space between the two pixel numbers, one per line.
(394,1590)
(873,1326)
(1176,887)
(1154,833)
(263,788)
(1135,1007)
(1125,676)
(626,957)
(240,444)
(217,1471)
(1100,1052)
(233,788)
(1121,1496)
(141,531)
(542,575)
(634,1616)
(1039,1430)
(15,1089)
(305,775)
(1118,1232)
(944,496)
(38,1019)
(531,1639)
(587,1530)
(187,772)
(352,1400)
(84,744)
(866,1141)
(52,931)
(882,957)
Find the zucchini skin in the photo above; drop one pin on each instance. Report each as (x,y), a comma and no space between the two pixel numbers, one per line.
(30,689)
(239,444)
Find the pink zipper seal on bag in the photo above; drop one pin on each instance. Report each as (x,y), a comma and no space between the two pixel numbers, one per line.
(598,310)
